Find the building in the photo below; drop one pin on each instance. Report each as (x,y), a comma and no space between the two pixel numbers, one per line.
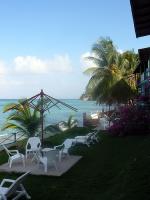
(141,18)
(143,69)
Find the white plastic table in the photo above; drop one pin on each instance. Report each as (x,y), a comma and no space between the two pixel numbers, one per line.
(45,150)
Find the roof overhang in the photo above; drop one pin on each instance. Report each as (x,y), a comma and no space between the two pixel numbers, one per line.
(144,54)
(141,16)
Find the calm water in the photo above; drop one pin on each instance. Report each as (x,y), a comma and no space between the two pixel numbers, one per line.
(55,114)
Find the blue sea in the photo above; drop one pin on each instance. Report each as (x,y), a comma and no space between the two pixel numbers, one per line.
(55,114)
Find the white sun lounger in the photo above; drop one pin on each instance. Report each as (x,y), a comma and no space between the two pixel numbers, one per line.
(87,139)
(84,139)
(16,189)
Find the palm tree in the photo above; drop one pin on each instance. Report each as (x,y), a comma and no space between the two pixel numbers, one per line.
(22,118)
(111,74)
(132,61)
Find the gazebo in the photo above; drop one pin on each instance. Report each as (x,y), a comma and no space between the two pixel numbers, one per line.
(43,102)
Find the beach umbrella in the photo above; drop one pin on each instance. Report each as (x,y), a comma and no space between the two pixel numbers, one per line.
(43,102)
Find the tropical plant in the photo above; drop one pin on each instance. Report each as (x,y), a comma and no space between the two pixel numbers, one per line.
(52,128)
(71,122)
(111,74)
(22,118)
(62,125)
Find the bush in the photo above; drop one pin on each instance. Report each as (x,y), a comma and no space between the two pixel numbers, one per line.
(132,121)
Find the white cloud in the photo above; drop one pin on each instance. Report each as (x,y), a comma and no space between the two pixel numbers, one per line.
(120,51)
(6,78)
(29,64)
(7,82)
(86,63)
(60,63)
(3,69)
(35,65)
(17,77)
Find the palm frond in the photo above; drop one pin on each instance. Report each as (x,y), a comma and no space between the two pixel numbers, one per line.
(22,118)
(13,126)
(52,128)
(113,73)
(9,107)
(90,70)
(122,97)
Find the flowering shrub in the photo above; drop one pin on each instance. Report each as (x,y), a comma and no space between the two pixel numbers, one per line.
(132,121)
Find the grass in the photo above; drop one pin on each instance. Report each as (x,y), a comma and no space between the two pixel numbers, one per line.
(117,168)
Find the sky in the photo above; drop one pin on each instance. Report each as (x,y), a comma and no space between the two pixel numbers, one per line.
(43,42)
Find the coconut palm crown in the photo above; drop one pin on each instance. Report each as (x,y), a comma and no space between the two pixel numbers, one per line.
(111,73)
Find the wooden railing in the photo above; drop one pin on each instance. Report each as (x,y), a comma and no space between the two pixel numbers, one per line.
(12,138)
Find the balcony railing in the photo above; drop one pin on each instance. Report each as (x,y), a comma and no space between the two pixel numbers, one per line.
(144,78)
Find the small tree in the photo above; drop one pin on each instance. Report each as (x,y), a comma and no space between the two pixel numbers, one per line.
(71,122)
(22,118)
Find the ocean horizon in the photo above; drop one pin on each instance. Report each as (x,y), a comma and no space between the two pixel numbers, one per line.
(55,115)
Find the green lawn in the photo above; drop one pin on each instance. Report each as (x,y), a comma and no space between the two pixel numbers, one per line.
(118,168)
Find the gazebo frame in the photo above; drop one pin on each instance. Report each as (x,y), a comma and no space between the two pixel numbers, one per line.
(46,103)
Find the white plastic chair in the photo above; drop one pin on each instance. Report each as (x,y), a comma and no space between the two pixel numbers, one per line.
(33,146)
(13,156)
(50,158)
(64,147)
(15,188)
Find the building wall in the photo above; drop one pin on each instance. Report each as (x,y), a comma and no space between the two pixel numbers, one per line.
(144,82)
